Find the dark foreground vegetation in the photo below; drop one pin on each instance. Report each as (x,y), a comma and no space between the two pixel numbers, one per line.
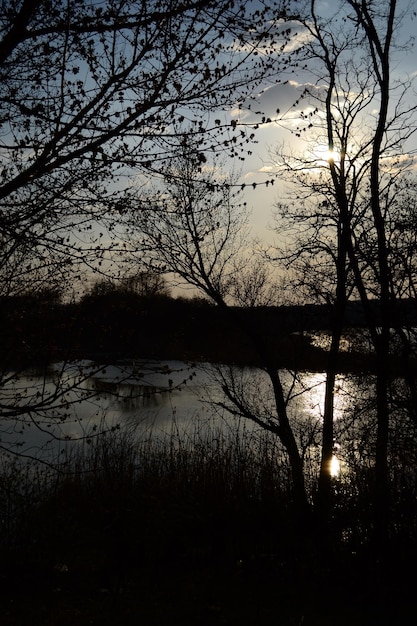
(191,531)
(120,324)
(123,324)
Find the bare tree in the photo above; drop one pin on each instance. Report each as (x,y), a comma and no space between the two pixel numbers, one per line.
(257,285)
(195,228)
(92,96)
(144,284)
(363,120)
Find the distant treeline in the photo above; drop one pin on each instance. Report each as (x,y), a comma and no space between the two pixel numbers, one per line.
(122,325)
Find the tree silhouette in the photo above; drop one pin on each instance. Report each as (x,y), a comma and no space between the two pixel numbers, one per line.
(92,97)
(349,198)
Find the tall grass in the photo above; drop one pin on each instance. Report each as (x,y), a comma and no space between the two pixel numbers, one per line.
(136,496)
(186,492)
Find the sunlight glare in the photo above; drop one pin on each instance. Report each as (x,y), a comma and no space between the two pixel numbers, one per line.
(324,155)
(334,467)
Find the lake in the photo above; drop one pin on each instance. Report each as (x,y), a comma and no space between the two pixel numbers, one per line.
(68,402)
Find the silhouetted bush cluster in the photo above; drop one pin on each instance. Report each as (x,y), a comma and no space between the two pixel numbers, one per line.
(186,529)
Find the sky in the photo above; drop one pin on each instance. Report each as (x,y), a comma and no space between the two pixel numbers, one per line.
(280,132)
(258,168)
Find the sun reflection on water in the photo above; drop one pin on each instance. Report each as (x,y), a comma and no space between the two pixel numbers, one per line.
(334,467)
(309,397)
(313,398)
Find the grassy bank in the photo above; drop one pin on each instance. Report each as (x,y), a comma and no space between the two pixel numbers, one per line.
(179,529)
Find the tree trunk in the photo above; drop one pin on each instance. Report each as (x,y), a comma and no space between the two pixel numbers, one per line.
(324,489)
(380,46)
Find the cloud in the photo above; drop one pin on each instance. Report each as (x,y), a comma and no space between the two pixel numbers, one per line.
(401,162)
(285,37)
(297,34)
(286,103)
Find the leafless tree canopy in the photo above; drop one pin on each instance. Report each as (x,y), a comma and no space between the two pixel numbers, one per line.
(92,95)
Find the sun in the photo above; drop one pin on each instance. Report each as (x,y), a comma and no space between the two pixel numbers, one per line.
(330,155)
(324,155)
(334,467)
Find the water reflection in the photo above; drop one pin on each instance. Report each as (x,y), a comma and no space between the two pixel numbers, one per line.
(127,397)
(158,396)
(311,388)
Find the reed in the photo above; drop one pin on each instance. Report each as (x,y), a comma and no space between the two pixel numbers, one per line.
(211,491)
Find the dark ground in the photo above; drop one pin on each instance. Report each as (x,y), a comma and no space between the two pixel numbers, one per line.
(205,594)
(162,558)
